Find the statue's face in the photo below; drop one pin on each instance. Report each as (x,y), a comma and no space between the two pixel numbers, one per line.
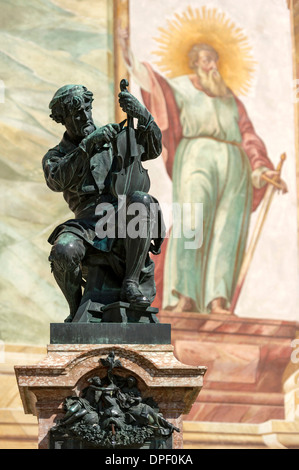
(131,382)
(96,380)
(79,122)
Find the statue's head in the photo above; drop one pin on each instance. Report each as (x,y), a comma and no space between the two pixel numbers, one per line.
(71,106)
(95,380)
(131,381)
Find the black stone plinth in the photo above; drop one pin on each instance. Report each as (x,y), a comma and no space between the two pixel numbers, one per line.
(110,333)
(116,312)
(121,312)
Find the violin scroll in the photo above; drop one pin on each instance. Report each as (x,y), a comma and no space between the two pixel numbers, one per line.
(124,84)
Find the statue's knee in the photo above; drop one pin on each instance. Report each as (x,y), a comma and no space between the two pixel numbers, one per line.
(66,255)
(140,197)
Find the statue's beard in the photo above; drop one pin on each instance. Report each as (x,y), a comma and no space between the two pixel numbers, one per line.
(213,83)
(82,129)
(87,128)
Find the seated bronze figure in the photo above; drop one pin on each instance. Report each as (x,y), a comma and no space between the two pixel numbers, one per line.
(99,171)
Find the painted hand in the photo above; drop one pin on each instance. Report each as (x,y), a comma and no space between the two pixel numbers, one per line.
(273,177)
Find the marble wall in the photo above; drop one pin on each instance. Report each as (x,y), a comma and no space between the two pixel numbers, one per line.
(44,45)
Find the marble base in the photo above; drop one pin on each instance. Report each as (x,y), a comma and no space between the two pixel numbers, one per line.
(273,434)
(67,367)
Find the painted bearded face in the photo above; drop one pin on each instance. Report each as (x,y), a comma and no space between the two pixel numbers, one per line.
(208,74)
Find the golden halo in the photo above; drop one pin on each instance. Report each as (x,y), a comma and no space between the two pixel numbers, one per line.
(208,26)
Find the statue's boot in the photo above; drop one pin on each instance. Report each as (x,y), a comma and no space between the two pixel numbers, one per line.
(70,285)
(136,253)
(131,293)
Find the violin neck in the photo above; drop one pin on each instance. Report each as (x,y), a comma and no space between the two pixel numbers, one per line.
(130,121)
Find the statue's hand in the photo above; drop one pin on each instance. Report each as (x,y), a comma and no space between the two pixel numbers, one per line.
(101,136)
(130,105)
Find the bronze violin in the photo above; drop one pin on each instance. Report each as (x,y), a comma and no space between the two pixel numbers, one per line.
(128,174)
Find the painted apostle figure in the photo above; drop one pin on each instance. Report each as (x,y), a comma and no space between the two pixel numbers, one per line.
(80,167)
(213,156)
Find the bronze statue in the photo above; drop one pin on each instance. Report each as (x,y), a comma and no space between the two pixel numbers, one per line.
(111,413)
(99,172)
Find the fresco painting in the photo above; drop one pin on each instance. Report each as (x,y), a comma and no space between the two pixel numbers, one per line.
(260,121)
(220,85)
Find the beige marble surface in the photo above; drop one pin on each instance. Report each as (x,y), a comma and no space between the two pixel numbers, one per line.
(248,362)
(66,369)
